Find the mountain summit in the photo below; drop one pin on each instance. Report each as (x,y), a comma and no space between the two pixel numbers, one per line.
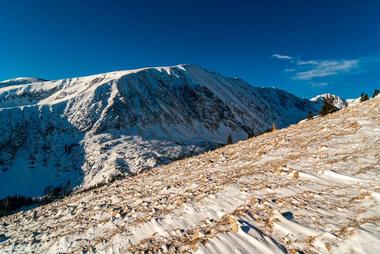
(334,100)
(20,81)
(93,129)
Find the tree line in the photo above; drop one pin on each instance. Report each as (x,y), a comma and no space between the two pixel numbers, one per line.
(12,204)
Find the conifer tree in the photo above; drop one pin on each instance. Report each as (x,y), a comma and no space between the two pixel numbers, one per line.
(309,115)
(375,93)
(251,134)
(229,139)
(327,108)
(364,97)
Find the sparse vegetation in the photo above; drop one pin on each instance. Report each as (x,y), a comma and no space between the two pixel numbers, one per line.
(229,140)
(327,108)
(364,97)
(274,127)
(68,148)
(375,93)
(52,193)
(309,115)
(251,134)
(12,204)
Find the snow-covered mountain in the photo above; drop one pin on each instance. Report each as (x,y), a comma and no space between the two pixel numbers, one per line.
(334,100)
(93,129)
(20,81)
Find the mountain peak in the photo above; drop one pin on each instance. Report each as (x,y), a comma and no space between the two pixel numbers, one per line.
(20,81)
(331,98)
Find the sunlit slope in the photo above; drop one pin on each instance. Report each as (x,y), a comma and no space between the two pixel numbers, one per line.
(313,187)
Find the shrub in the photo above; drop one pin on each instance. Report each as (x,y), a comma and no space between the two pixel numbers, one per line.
(327,108)
(53,193)
(68,148)
(229,140)
(364,97)
(274,127)
(251,134)
(309,115)
(375,93)
(11,204)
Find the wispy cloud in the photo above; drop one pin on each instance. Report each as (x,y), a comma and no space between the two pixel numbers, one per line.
(327,68)
(319,84)
(284,57)
(312,69)
(313,62)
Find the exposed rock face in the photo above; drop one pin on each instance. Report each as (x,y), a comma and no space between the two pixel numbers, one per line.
(310,188)
(92,129)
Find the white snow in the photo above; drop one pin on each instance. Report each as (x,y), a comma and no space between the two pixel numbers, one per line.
(311,188)
(336,101)
(123,122)
(20,81)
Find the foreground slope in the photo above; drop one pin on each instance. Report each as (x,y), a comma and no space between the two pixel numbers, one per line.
(313,187)
(93,129)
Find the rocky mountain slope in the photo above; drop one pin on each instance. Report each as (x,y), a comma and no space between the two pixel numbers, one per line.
(310,188)
(93,129)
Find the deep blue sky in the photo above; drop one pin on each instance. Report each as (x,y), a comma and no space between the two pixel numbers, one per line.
(322,46)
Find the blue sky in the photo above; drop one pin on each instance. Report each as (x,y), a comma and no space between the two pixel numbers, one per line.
(305,47)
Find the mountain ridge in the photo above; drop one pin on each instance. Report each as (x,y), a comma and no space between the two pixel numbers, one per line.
(92,129)
(20,81)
